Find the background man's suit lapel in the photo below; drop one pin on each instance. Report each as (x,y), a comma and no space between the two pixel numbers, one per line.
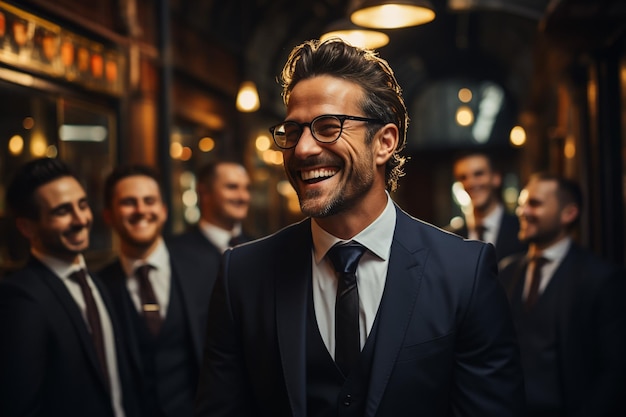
(60,291)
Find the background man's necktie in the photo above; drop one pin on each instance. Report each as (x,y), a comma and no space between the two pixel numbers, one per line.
(93,318)
(480,231)
(345,259)
(149,303)
(533,292)
(236,240)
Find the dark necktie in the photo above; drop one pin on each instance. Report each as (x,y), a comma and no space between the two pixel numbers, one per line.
(480,231)
(345,259)
(149,303)
(236,240)
(533,292)
(93,318)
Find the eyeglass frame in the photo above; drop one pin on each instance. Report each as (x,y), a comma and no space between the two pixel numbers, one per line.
(341,117)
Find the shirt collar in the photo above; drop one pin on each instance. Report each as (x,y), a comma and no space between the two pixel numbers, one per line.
(60,267)
(557,251)
(376,237)
(492,220)
(218,236)
(159,259)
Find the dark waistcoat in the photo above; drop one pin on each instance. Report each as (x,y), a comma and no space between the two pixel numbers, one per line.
(537,334)
(329,392)
(169,374)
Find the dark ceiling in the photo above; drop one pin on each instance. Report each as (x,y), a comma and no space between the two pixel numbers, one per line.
(473,39)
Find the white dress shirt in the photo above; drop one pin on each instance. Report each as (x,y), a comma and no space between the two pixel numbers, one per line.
(160,277)
(371,274)
(492,226)
(63,270)
(218,236)
(554,256)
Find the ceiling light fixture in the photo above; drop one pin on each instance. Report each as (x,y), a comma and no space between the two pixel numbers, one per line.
(248,97)
(393,14)
(347,31)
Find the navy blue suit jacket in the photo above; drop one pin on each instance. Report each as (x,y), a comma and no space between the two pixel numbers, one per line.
(445,347)
(591,330)
(48,363)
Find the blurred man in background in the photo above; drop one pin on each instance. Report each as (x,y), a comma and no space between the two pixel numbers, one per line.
(159,289)
(568,307)
(59,352)
(488,221)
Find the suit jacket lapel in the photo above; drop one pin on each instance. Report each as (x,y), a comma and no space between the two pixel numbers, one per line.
(405,271)
(73,311)
(292,280)
(188,288)
(121,298)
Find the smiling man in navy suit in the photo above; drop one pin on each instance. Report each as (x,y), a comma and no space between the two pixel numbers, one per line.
(59,340)
(160,291)
(572,321)
(433,331)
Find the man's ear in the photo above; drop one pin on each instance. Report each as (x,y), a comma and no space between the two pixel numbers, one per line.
(26,226)
(386,141)
(569,213)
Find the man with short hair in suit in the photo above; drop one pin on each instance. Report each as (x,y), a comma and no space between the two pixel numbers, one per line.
(570,315)
(159,290)
(488,220)
(59,343)
(223,188)
(418,323)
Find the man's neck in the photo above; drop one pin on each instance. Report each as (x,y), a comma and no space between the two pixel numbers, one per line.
(480,213)
(139,251)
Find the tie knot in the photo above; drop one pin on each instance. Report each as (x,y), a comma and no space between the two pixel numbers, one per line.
(142,272)
(236,240)
(539,261)
(79,276)
(345,258)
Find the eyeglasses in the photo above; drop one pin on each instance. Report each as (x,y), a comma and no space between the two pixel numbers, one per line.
(326,128)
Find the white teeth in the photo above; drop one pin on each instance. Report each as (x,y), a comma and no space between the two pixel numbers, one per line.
(318,173)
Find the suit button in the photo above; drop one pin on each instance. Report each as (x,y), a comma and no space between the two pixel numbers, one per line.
(347,400)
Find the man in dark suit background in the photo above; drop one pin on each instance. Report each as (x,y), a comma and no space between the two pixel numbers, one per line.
(160,290)
(223,188)
(572,322)
(430,332)
(59,353)
(487,219)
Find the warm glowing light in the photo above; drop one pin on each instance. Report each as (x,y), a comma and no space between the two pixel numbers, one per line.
(186,153)
(248,97)
(190,198)
(392,16)
(272,157)
(16,145)
(457,222)
(284,188)
(517,137)
(192,214)
(369,39)
(465,95)
(263,143)
(176,150)
(52,152)
(464,116)
(38,145)
(187,179)
(206,144)
(510,195)
(569,150)
(28,123)
(461,196)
